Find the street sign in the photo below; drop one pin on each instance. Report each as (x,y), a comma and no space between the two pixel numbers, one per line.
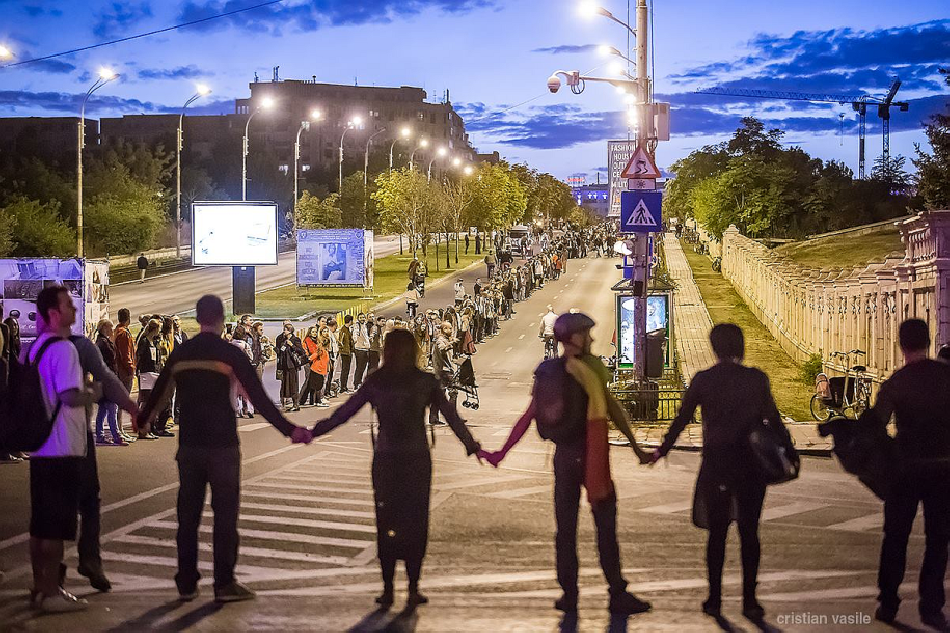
(641,183)
(641,166)
(618,154)
(641,211)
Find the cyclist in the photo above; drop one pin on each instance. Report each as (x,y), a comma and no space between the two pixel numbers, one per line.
(546,333)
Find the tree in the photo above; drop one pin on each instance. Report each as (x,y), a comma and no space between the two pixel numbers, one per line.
(313,213)
(196,184)
(39,231)
(933,169)
(403,199)
(459,194)
(891,172)
(353,202)
(7,224)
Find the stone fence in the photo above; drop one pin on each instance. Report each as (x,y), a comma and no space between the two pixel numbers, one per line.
(810,310)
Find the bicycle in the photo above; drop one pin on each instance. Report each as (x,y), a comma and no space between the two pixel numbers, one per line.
(838,394)
(550,348)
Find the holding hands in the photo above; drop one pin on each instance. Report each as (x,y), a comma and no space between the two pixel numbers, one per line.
(301,435)
(493,458)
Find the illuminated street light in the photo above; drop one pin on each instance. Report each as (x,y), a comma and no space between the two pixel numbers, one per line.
(266,103)
(369,141)
(442,151)
(315,115)
(423,143)
(201,91)
(5,53)
(404,133)
(352,124)
(592,9)
(105,76)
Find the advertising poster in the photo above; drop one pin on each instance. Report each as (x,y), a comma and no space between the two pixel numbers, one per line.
(335,257)
(658,320)
(23,279)
(234,233)
(618,155)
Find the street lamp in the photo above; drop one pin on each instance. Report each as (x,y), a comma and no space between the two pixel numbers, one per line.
(304,125)
(606,50)
(440,152)
(366,168)
(590,9)
(266,104)
(350,125)
(404,133)
(5,53)
(422,143)
(105,76)
(202,91)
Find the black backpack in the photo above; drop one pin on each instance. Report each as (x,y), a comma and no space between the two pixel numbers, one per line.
(560,403)
(24,423)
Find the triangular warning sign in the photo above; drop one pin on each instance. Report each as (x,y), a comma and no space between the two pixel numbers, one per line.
(641,166)
(641,216)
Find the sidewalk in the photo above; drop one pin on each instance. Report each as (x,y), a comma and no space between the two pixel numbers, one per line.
(692,323)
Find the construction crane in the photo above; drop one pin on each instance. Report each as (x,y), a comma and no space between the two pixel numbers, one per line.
(858,102)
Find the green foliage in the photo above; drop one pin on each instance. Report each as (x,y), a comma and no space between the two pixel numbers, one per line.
(812,367)
(933,169)
(38,230)
(313,213)
(353,201)
(7,224)
(891,172)
(403,199)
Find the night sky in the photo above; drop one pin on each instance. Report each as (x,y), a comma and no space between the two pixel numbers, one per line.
(494,58)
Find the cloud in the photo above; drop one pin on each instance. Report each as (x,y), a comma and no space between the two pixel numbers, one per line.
(36,11)
(182,72)
(53,66)
(313,15)
(566,48)
(104,105)
(118,17)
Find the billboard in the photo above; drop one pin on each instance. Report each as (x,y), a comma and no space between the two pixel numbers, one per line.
(658,321)
(86,280)
(335,257)
(234,233)
(618,155)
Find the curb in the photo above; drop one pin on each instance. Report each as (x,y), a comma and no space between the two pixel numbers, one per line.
(693,448)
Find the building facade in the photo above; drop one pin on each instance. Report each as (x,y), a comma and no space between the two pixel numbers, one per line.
(594,197)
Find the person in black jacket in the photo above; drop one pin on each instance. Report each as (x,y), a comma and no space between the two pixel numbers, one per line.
(399,392)
(203,371)
(733,398)
(918,396)
(108,410)
(290,358)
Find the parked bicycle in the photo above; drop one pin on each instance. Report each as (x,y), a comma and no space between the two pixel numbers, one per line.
(839,395)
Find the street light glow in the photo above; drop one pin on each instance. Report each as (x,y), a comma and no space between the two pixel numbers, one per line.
(589,9)
(5,53)
(615,68)
(468,171)
(442,151)
(456,161)
(315,115)
(424,143)
(267,102)
(203,90)
(606,50)
(107,74)
(406,132)
(357,120)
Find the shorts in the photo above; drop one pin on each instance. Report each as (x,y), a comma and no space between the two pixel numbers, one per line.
(54,497)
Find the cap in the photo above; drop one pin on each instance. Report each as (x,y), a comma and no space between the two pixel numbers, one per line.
(567,325)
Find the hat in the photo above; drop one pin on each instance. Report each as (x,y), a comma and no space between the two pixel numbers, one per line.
(567,325)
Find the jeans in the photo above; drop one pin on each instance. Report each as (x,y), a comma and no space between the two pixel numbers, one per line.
(127,383)
(346,359)
(87,545)
(197,469)
(107,410)
(749,497)
(362,360)
(568,480)
(932,488)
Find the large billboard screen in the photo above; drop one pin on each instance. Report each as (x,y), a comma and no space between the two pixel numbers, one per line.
(658,321)
(234,233)
(21,281)
(335,257)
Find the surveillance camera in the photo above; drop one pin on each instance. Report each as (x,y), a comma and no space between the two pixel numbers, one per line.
(554,83)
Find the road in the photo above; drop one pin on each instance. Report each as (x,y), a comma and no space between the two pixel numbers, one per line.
(177,292)
(307,528)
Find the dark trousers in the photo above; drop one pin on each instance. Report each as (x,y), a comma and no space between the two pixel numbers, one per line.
(328,380)
(373,361)
(568,479)
(908,490)
(749,498)
(89,502)
(345,360)
(362,360)
(306,390)
(452,396)
(197,469)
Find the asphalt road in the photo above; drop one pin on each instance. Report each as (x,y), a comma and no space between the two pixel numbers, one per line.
(308,537)
(176,293)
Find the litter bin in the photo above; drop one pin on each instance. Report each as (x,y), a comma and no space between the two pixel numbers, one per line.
(656,342)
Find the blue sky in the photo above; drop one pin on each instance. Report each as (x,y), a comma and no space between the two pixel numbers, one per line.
(494,56)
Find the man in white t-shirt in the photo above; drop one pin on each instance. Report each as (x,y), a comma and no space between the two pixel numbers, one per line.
(55,467)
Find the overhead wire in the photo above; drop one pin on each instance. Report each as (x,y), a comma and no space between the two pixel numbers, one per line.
(141,35)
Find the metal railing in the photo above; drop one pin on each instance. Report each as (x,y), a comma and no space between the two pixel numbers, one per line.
(650,403)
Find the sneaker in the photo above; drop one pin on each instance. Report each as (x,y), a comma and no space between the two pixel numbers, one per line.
(62,602)
(566,604)
(323,405)
(101,441)
(97,578)
(936,620)
(128,437)
(235,592)
(628,604)
(10,459)
(147,436)
(165,434)
(189,595)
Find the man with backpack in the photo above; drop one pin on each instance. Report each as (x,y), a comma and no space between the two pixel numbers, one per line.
(56,465)
(566,391)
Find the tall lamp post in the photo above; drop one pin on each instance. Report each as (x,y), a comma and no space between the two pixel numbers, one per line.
(304,125)
(353,123)
(266,104)
(439,153)
(105,76)
(403,133)
(201,92)
(423,143)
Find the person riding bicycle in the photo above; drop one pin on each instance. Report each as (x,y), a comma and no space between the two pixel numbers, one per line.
(546,331)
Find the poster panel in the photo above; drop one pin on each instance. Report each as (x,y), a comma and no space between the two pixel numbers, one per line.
(658,320)
(234,233)
(334,257)
(618,155)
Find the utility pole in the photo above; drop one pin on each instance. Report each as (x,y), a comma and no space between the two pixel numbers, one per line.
(644,139)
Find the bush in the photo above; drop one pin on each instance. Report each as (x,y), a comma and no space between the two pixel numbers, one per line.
(38,230)
(812,367)
(121,226)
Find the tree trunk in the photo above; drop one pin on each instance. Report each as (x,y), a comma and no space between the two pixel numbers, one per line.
(437,240)
(456,247)
(447,264)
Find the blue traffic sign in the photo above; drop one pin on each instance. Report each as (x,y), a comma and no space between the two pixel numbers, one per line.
(641,211)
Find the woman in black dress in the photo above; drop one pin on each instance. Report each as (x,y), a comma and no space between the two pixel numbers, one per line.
(399,392)
(290,358)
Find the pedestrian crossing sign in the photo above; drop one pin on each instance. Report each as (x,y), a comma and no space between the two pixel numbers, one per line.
(641,211)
